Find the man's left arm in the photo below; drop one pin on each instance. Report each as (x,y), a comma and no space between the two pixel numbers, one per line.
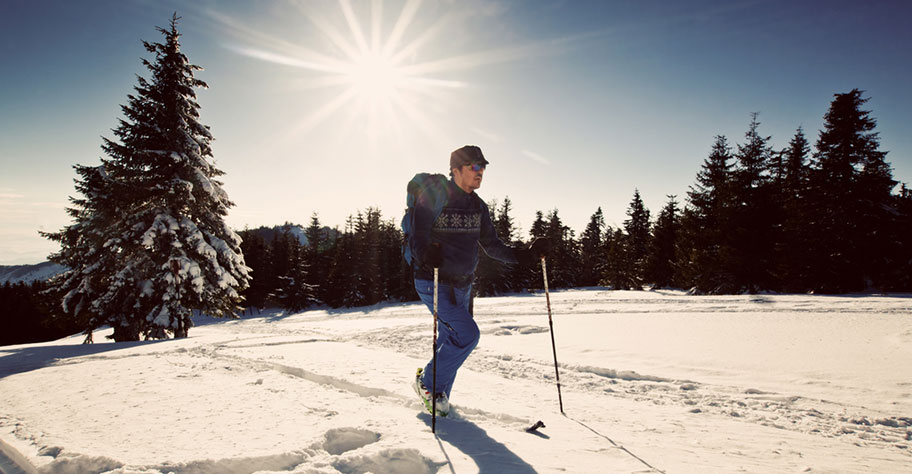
(491,243)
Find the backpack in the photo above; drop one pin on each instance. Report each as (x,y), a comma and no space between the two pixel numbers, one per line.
(424,186)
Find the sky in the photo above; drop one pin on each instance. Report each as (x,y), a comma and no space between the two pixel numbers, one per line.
(331,106)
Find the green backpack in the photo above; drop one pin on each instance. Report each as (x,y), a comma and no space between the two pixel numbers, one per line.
(424,186)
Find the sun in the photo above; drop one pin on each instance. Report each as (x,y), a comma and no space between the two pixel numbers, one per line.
(374,77)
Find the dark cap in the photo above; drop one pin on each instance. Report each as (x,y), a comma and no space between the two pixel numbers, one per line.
(467,155)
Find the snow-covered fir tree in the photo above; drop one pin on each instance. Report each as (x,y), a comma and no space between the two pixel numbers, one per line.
(149,244)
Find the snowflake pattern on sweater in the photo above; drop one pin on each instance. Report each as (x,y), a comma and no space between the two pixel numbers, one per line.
(459,221)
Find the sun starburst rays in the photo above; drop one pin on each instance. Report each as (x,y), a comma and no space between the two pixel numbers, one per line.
(371,73)
(382,80)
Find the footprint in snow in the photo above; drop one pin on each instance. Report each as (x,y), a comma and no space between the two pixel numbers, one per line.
(342,440)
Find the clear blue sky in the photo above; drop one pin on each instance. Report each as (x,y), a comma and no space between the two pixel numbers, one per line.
(575,103)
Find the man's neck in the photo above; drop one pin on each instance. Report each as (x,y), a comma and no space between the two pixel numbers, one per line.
(464,187)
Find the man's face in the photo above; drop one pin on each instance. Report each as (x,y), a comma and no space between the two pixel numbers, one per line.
(468,177)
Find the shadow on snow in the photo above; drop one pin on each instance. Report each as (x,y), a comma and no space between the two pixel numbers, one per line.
(490,455)
(17,360)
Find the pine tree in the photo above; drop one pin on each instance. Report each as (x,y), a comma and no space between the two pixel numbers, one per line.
(316,255)
(293,293)
(166,250)
(618,270)
(852,186)
(395,277)
(370,257)
(281,253)
(661,268)
(900,272)
(256,255)
(344,278)
(539,229)
(592,250)
(516,277)
(339,269)
(539,226)
(563,260)
(706,226)
(489,273)
(794,239)
(753,212)
(503,221)
(637,227)
(494,277)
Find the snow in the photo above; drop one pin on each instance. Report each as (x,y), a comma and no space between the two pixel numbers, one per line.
(147,288)
(163,224)
(650,381)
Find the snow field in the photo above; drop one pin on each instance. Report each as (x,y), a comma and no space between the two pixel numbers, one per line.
(651,382)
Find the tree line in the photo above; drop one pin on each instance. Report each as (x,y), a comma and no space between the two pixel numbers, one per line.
(359,265)
(756,219)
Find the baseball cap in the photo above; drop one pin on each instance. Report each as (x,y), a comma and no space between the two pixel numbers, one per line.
(467,155)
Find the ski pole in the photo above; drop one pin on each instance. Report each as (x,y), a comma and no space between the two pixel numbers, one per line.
(551,325)
(434,384)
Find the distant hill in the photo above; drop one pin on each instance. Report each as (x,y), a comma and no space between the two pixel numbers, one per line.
(29,273)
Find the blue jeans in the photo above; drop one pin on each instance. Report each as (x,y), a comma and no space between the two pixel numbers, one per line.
(457,333)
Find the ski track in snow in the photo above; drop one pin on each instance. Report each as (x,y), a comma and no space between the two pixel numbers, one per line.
(344,449)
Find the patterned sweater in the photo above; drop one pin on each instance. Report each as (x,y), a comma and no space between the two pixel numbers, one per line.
(463,224)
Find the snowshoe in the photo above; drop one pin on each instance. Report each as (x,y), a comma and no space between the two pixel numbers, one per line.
(443,405)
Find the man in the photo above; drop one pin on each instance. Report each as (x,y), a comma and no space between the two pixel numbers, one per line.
(449,225)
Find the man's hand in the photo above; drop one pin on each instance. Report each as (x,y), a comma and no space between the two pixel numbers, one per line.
(433,256)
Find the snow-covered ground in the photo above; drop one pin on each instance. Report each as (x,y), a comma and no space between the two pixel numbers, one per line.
(651,382)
